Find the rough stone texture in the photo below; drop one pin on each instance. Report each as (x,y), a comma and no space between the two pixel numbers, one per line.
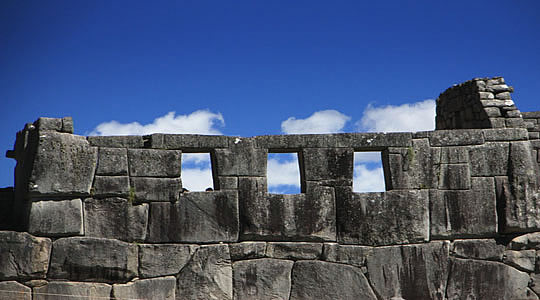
(490,159)
(93,259)
(112,161)
(107,186)
(526,241)
(208,275)
(23,256)
(487,249)
(264,278)
(12,290)
(393,217)
(410,271)
(456,138)
(154,163)
(157,288)
(324,280)
(56,218)
(123,141)
(324,163)
(115,218)
(247,250)
(294,251)
(199,217)
(346,254)
(454,177)
(155,189)
(241,159)
(473,279)
(64,165)
(163,259)
(522,260)
(72,290)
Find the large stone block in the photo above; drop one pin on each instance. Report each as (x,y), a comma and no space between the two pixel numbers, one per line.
(72,290)
(12,290)
(115,218)
(324,280)
(93,259)
(107,186)
(328,163)
(505,134)
(470,213)
(64,164)
(487,249)
(393,217)
(163,288)
(198,217)
(163,259)
(410,271)
(241,159)
(264,278)
(56,218)
(188,141)
(473,279)
(208,275)
(122,141)
(490,159)
(23,256)
(464,137)
(155,189)
(247,250)
(154,162)
(112,161)
(454,177)
(294,250)
(346,254)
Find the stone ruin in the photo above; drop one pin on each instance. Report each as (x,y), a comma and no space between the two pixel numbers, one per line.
(106,216)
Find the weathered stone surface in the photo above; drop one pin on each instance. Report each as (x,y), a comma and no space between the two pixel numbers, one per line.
(454,155)
(64,165)
(328,163)
(298,217)
(490,159)
(505,134)
(156,189)
(487,249)
(393,217)
(526,241)
(324,280)
(115,218)
(188,141)
(208,275)
(23,256)
(156,288)
(154,162)
(106,186)
(469,213)
(123,141)
(112,161)
(54,124)
(522,260)
(93,259)
(409,271)
(12,290)
(294,250)
(228,182)
(346,254)
(163,259)
(454,177)
(72,290)
(264,278)
(456,138)
(56,218)
(241,159)
(247,250)
(198,217)
(473,279)
(535,283)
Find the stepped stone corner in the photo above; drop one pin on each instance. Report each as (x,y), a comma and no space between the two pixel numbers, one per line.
(107,216)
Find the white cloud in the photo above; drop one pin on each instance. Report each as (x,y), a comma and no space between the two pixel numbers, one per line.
(324,121)
(283,173)
(367,157)
(366,180)
(198,122)
(418,116)
(196,158)
(197,179)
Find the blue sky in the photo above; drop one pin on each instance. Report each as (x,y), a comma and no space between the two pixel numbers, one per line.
(246,67)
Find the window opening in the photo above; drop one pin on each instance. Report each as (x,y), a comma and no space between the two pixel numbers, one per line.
(197,172)
(368,174)
(283,173)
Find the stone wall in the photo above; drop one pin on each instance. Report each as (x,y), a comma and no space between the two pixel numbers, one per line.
(108,216)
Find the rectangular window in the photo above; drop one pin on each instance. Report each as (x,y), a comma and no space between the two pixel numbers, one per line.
(368,172)
(197,172)
(283,173)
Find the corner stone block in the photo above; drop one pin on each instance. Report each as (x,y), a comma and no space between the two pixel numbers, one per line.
(409,272)
(242,159)
(198,217)
(163,259)
(74,290)
(154,162)
(264,278)
(375,219)
(112,161)
(23,256)
(473,279)
(324,280)
(12,290)
(208,275)
(155,189)
(115,218)
(64,165)
(56,218)
(328,163)
(93,259)
(162,288)
(469,213)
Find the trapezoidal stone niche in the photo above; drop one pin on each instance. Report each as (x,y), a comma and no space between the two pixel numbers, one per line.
(107,217)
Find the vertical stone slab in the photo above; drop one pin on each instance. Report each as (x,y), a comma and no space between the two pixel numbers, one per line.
(264,278)
(73,290)
(56,218)
(23,256)
(162,288)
